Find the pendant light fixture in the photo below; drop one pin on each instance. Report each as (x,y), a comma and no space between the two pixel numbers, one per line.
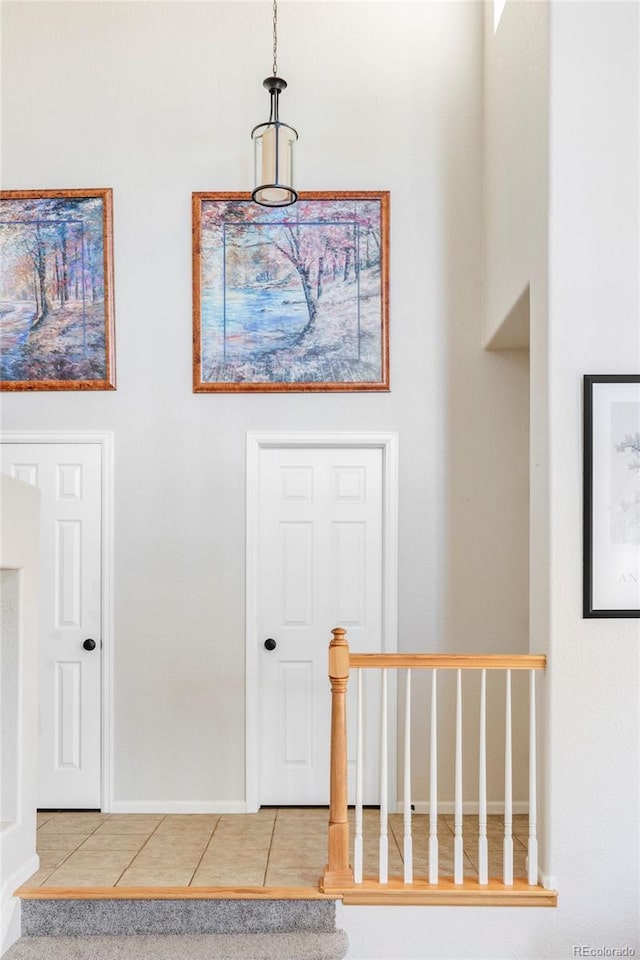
(274,143)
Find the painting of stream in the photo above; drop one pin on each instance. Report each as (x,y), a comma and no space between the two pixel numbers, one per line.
(291,298)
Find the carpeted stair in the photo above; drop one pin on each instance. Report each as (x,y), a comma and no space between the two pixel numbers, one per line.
(178,930)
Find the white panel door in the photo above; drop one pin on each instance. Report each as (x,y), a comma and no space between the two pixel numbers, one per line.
(320,566)
(69,478)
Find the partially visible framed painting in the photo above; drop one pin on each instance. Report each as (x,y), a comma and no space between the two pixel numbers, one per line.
(291,298)
(611,585)
(56,290)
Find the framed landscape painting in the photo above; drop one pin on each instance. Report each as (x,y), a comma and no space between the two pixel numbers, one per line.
(291,299)
(56,290)
(612,496)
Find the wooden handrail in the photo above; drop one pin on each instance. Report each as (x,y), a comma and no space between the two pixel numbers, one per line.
(450,661)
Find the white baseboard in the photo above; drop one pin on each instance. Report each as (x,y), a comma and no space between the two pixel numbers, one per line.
(178,806)
(11,906)
(239,806)
(547,881)
(468,807)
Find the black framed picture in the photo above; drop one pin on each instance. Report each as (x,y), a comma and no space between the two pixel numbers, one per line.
(611,584)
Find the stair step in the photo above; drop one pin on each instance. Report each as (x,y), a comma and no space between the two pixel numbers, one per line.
(302,945)
(81,918)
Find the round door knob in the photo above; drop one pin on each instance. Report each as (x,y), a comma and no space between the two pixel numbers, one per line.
(89,644)
(270,644)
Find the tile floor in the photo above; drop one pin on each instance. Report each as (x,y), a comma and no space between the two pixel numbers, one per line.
(283,846)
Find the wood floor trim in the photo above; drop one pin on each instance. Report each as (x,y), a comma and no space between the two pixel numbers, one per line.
(369,893)
(171,893)
(447,894)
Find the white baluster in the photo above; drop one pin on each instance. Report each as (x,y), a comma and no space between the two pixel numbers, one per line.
(458,851)
(433,785)
(358,843)
(483,851)
(408,841)
(507,847)
(383,867)
(532,846)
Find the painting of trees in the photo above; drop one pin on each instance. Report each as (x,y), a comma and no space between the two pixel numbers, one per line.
(292,298)
(56,313)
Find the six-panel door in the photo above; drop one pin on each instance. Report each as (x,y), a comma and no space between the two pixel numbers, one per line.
(320,566)
(69,479)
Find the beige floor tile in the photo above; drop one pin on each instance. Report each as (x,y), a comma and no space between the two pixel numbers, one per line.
(242,834)
(167,877)
(302,877)
(299,840)
(208,819)
(254,840)
(43,816)
(62,842)
(302,814)
(183,835)
(229,876)
(258,827)
(158,865)
(289,845)
(125,826)
(242,826)
(103,842)
(85,860)
(39,877)
(300,824)
(288,856)
(58,826)
(289,860)
(188,823)
(64,877)
(221,854)
(229,860)
(171,844)
(50,859)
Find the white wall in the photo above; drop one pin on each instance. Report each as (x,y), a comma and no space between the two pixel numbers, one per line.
(594,327)
(516,97)
(19,555)
(157,100)
(141,83)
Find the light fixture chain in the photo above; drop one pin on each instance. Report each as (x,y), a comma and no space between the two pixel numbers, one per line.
(275,38)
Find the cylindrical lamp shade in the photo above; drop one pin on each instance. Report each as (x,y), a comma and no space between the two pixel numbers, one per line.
(274,144)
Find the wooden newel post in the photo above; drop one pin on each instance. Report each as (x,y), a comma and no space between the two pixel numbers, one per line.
(338,872)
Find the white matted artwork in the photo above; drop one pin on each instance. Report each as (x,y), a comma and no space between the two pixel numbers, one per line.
(611,586)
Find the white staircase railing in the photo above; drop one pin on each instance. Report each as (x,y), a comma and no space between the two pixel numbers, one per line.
(341,662)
